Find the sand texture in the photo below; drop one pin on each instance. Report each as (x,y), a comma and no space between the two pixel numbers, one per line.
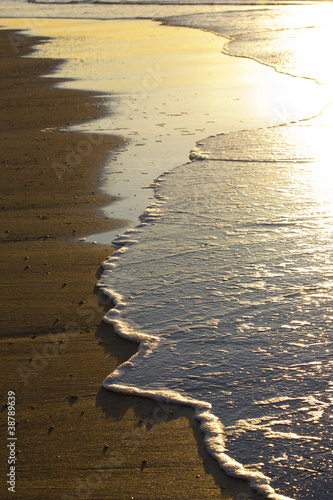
(74,439)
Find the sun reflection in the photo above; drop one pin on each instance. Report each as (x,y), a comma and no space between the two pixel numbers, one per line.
(299,50)
(307,39)
(320,149)
(309,51)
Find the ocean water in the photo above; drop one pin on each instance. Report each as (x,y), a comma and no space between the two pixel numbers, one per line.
(231,277)
(226,282)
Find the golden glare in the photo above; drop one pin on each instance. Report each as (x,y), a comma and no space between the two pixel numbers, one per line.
(319,143)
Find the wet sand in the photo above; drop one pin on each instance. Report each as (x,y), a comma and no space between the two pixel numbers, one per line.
(74,439)
(166,88)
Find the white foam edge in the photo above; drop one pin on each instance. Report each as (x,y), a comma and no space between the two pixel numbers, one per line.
(210,425)
(149,215)
(197,154)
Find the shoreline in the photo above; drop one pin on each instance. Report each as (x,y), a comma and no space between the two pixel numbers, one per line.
(150,97)
(75,439)
(50,192)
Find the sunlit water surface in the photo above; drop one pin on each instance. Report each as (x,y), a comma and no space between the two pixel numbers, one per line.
(232,271)
(235,276)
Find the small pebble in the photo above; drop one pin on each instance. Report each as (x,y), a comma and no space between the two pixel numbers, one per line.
(143,464)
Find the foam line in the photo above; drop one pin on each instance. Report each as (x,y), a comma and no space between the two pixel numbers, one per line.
(210,425)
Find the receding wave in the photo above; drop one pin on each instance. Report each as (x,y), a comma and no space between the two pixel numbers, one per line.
(220,285)
(272,144)
(214,432)
(273,36)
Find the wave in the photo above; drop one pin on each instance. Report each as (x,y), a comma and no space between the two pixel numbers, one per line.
(269,144)
(211,426)
(292,42)
(271,150)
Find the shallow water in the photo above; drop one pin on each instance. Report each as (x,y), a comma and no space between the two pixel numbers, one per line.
(231,271)
(234,276)
(293,40)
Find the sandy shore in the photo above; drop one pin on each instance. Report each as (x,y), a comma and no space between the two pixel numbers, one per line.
(166,88)
(74,439)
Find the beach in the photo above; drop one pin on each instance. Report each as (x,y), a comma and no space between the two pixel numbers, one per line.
(164,89)
(74,439)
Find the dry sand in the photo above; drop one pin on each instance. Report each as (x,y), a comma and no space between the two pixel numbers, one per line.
(74,439)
